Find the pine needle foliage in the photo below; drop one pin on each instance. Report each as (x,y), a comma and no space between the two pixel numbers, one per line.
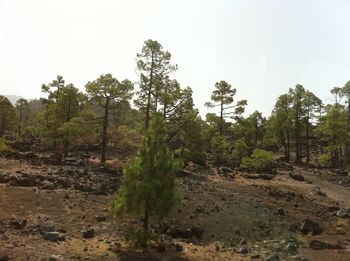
(149,187)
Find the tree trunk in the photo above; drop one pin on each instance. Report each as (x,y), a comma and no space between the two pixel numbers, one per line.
(288,146)
(20,119)
(149,96)
(347,150)
(221,118)
(146,219)
(307,139)
(66,142)
(104,133)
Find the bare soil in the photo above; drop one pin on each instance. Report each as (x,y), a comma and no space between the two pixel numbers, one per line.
(232,216)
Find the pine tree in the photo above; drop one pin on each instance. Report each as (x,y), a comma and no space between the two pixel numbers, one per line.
(108,91)
(148,187)
(153,64)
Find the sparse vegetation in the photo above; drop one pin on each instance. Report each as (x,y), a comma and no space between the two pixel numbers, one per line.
(111,145)
(259,161)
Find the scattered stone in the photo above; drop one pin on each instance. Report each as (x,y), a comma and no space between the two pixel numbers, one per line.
(317,191)
(179,248)
(115,248)
(52,236)
(4,257)
(273,257)
(333,208)
(341,172)
(199,209)
(242,250)
(100,218)
(292,248)
(281,212)
(56,258)
(89,233)
(320,245)
(18,224)
(186,233)
(299,258)
(309,226)
(259,176)
(343,213)
(297,177)
(161,247)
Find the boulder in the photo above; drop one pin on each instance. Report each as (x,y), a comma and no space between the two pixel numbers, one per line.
(309,226)
(343,213)
(185,232)
(161,247)
(89,233)
(273,257)
(52,236)
(317,191)
(242,250)
(320,245)
(292,248)
(4,257)
(178,247)
(297,177)
(19,223)
(100,218)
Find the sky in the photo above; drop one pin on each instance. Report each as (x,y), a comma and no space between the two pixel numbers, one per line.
(261,47)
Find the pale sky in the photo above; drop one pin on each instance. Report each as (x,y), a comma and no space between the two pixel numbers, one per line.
(260,47)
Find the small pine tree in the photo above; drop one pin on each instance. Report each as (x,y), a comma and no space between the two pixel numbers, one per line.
(148,187)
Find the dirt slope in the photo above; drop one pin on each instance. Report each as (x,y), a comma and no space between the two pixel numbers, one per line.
(233,216)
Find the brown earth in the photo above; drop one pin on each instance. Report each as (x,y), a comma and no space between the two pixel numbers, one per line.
(232,216)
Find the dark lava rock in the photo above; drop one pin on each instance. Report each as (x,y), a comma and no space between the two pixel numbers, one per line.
(242,250)
(18,224)
(179,248)
(89,233)
(4,257)
(292,248)
(273,257)
(341,172)
(320,245)
(199,209)
(52,236)
(309,226)
(281,212)
(260,176)
(100,218)
(343,213)
(187,232)
(297,177)
(161,247)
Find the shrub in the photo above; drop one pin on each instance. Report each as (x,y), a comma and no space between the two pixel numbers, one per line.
(124,138)
(270,144)
(3,146)
(219,150)
(325,160)
(342,227)
(240,150)
(259,161)
(196,157)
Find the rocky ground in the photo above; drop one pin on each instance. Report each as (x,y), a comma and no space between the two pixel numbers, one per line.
(60,212)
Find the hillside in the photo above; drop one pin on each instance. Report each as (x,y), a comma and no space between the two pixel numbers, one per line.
(49,213)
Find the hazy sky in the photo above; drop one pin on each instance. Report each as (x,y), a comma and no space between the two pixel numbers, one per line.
(261,47)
